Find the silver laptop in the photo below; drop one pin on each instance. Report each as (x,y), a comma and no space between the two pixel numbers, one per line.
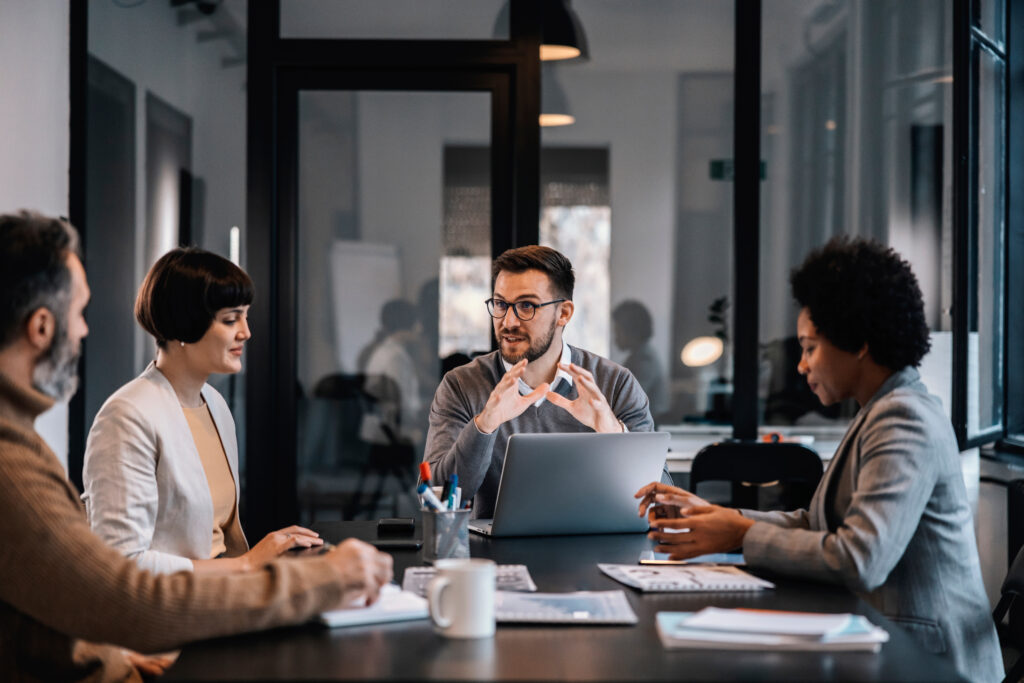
(554,484)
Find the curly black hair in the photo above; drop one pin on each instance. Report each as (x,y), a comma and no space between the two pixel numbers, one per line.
(858,292)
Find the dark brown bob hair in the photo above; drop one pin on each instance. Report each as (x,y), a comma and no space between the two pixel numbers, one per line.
(535,257)
(183,292)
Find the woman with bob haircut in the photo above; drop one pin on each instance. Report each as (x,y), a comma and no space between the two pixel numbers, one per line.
(890,519)
(161,460)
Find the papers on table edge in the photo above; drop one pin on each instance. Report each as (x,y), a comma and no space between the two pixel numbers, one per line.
(507,577)
(746,629)
(393,604)
(580,607)
(686,578)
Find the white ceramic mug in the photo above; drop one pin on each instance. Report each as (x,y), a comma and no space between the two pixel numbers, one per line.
(461,598)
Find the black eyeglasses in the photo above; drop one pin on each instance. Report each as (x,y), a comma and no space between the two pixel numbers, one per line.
(524,310)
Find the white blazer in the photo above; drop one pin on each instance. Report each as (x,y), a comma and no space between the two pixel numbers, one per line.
(146,492)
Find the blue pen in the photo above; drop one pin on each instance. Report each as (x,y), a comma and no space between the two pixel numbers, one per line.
(429,498)
(453,483)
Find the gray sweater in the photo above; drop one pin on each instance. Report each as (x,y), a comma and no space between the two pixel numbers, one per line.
(454,444)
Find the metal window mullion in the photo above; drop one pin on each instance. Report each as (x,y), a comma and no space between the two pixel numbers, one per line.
(962,124)
(746,216)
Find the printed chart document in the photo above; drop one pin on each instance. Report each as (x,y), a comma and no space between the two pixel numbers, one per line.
(746,629)
(394,604)
(685,578)
(581,607)
(507,577)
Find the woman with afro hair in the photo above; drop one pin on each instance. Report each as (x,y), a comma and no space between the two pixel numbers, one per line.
(890,519)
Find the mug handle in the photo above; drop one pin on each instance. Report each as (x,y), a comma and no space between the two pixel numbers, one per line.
(434,590)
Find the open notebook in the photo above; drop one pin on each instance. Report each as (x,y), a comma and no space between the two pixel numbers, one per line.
(394,604)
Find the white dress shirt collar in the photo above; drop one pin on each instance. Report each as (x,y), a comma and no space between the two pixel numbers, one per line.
(560,374)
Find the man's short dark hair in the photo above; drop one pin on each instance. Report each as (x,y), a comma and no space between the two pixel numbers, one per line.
(34,271)
(183,292)
(632,315)
(535,257)
(861,292)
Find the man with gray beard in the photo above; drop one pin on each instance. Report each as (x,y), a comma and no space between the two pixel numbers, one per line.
(534,382)
(68,602)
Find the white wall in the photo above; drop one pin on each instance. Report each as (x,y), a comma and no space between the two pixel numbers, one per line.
(34,125)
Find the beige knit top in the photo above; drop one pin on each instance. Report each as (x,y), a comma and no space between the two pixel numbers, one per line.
(218,473)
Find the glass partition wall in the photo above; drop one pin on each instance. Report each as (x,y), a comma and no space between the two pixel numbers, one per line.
(856,139)
(634,191)
(393,243)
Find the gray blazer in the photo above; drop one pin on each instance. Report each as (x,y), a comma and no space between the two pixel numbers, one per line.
(146,492)
(891,521)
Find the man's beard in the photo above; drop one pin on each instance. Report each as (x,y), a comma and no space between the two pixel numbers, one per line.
(56,373)
(538,347)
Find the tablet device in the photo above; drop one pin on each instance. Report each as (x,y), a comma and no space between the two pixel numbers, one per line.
(651,557)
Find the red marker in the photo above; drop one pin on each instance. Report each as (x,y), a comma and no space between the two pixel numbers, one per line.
(425,473)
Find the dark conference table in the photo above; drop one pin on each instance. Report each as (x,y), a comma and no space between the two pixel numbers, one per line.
(412,651)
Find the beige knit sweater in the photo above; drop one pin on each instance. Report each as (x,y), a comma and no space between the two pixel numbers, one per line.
(62,591)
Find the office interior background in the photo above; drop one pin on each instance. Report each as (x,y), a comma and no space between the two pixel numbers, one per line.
(351,153)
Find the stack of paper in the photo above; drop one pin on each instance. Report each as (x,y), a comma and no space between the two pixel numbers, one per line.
(689,578)
(746,629)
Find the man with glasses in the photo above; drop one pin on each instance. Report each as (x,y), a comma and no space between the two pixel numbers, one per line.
(534,382)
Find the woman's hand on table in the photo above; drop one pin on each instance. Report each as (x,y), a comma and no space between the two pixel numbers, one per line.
(705,529)
(276,543)
(150,666)
(658,500)
(270,547)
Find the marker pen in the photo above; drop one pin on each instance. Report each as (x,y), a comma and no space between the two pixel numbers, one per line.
(429,498)
(453,485)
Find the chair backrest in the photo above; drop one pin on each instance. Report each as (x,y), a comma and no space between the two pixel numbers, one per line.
(756,463)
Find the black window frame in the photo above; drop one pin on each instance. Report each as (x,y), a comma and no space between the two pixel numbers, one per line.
(279,68)
(968,41)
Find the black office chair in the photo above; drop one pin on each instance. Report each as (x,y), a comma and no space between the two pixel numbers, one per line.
(363,432)
(791,469)
(332,448)
(1013,632)
(391,454)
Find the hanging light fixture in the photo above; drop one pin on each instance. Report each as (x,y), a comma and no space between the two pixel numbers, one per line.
(561,33)
(554,105)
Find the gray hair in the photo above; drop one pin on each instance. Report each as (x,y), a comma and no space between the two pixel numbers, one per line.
(33,270)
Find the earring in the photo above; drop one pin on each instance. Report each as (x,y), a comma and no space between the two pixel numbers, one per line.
(182,344)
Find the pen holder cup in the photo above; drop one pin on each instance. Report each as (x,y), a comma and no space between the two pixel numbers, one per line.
(445,534)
